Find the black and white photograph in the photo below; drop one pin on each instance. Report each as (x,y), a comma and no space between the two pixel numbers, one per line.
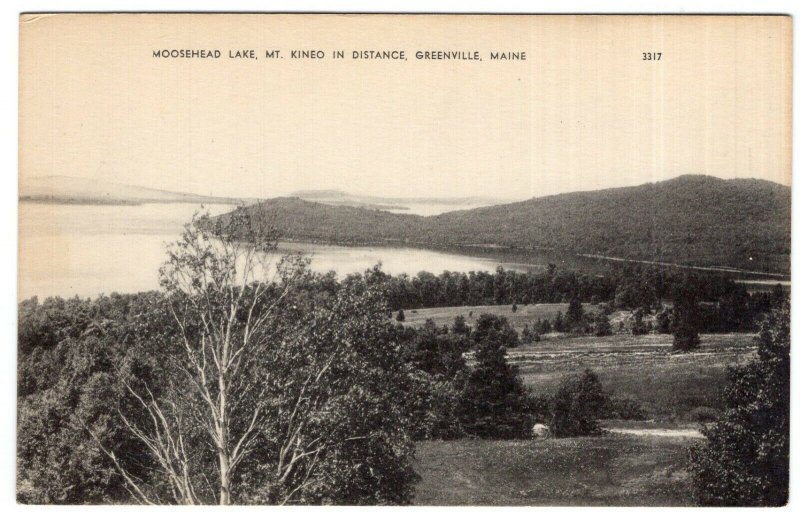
(403,259)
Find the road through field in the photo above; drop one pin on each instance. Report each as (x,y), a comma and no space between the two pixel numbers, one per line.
(691,433)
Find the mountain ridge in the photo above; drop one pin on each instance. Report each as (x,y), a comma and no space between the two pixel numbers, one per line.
(691,219)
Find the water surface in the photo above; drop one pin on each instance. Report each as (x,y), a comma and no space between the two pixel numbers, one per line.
(86,250)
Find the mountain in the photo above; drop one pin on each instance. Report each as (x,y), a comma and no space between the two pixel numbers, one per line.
(388,203)
(63,189)
(692,219)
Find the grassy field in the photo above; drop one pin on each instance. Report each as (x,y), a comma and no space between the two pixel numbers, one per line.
(645,468)
(668,385)
(607,470)
(525,315)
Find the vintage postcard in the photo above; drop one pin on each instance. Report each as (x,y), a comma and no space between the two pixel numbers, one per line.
(341,259)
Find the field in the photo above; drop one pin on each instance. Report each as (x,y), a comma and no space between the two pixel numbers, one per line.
(668,385)
(645,466)
(525,315)
(607,470)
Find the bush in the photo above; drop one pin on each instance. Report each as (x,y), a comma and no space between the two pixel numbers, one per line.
(602,326)
(577,405)
(702,414)
(745,461)
(401,316)
(624,407)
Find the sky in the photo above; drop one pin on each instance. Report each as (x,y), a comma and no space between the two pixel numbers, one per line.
(584,110)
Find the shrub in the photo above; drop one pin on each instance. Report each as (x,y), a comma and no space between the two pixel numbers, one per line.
(580,400)
(625,407)
(745,461)
(602,326)
(703,414)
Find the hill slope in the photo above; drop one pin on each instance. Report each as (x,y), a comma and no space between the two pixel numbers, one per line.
(337,197)
(699,220)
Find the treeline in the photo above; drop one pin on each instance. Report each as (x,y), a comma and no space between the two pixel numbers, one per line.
(724,304)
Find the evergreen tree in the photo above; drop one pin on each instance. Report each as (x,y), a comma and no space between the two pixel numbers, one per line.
(686,317)
(574,315)
(493,403)
(602,326)
(500,288)
(745,461)
(460,326)
(558,324)
(527,335)
(663,321)
(638,326)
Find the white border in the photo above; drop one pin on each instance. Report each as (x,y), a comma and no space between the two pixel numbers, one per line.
(9,42)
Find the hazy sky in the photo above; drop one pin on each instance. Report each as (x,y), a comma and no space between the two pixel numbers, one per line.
(584,111)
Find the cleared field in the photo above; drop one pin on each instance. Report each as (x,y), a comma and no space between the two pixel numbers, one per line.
(526,314)
(667,384)
(608,470)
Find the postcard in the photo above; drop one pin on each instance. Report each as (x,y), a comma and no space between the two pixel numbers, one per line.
(404,259)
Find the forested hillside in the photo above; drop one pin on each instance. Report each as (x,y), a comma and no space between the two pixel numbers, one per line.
(743,223)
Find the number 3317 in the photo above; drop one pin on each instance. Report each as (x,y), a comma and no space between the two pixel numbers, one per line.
(651,56)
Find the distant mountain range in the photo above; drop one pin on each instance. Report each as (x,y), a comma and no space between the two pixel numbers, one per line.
(63,189)
(76,190)
(693,220)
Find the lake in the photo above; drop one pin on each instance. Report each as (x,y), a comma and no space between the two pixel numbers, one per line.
(86,250)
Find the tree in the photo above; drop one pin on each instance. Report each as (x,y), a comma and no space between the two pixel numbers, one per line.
(460,326)
(527,336)
(664,321)
(602,327)
(500,286)
(745,461)
(558,324)
(577,404)
(494,401)
(686,316)
(638,326)
(268,397)
(574,315)
(491,325)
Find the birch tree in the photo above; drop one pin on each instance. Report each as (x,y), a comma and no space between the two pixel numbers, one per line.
(265,398)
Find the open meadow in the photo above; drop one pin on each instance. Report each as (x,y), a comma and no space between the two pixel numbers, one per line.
(607,470)
(667,384)
(633,463)
(525,314)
